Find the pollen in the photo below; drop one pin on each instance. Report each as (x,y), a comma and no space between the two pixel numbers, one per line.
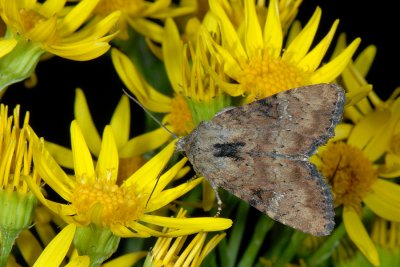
(105,203)
(180,117)
(263,76)
(349,172)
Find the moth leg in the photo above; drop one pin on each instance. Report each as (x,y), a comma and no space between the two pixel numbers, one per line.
(219,201)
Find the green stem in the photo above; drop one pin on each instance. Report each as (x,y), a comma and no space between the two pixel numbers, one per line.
(290,250)
(263,226)
(325,251)
(229,251)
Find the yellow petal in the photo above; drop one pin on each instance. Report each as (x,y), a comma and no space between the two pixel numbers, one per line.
(331,70)
(353,114)
(341,44)
(83,162)
(52,173)
(77,16)
(94,32)
(79,52)
(144,179)
(205,224)
(230,64)
(357,233)
(125,231)
(43,30)
(107,164)
(140,228)
(384,200)
(391,169)
(62,155)
(173,55)
(354,97)
(100,29)
(6,46)
(80,261)
(167,196)
(148,96)
(372,127)
(29,246)
(120,122)
(60,209)
(253,39)
(300,45)
(144,143)
(86,123)
(147,28)
(129,259)
(380,142)
(313,59)
(342,131)
(229,36)
(156,7)
(365,59)
(55,252)
(168,176)
(51,7)
(273,36)
(211,244)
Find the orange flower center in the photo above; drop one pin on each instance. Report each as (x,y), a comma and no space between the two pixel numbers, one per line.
(105,203)
(349,172)
(263,76)
(180,117)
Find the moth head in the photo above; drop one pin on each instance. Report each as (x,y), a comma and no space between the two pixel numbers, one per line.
(180,145)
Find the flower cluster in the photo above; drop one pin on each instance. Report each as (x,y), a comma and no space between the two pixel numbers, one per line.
(111,192)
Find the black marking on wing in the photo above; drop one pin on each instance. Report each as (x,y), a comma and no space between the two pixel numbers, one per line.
(229,150)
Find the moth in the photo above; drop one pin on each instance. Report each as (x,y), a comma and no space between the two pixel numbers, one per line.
(260,153)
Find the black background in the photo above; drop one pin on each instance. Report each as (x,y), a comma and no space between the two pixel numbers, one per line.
(51,101)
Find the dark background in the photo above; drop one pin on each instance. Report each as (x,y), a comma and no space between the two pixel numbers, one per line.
(51,101)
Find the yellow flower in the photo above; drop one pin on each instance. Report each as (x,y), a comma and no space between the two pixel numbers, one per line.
(386,235)
(130,151)
(185,67)
(168,251)
(368,108)
(359,92)
(254,60)
(190,82)
(57,30)
(48,26)
(94,197)
(352,168)
(177,111)
(17,203)
(140,15)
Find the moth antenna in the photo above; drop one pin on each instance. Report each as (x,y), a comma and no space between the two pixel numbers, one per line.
(337,167)
(149,113)
(152,191)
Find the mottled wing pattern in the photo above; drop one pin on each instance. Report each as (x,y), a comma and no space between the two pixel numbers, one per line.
(259,152)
